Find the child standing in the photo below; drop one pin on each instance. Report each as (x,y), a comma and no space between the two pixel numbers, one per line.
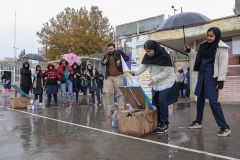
(51,83)
(84,83)
(5,82)
(38,84)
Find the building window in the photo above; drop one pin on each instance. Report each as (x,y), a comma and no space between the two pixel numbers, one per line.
(140,38)
(233,58)
(139,48)
(129,39)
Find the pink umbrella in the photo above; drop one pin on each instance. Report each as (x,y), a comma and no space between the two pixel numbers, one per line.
(71,58)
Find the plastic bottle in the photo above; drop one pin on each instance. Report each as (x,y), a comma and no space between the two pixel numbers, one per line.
(32,104)
(115,119)
(36,105)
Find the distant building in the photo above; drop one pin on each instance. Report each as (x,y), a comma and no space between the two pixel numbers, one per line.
(133,35)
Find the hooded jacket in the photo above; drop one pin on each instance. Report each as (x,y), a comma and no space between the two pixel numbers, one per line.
(78,80)
(26,80)
(51,75)
(117,56)
(180,76)
(60,71)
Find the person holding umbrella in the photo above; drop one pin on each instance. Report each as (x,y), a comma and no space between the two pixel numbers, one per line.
(162,80)
(211,63)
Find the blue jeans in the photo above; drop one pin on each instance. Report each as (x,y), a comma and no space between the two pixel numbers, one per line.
(70,90)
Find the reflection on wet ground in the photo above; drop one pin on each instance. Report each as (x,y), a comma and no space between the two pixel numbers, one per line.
(26,136)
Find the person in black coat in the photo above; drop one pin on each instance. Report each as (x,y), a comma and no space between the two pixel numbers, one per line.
(26,80)
(76,79)
(101,79)
(93,83)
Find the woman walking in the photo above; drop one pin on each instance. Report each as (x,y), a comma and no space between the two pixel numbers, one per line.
(38,84)
(51,83)
(93,83)
(76,79)
(211,63)
(6,83)
(159,63)
(26,80)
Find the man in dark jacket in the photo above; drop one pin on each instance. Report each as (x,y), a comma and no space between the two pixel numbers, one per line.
(26,80)
(114,75)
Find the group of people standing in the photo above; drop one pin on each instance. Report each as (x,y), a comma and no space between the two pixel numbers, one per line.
(211,63)
(69,78)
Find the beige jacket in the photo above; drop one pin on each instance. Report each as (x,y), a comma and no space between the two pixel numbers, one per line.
(160,74)
(221,60)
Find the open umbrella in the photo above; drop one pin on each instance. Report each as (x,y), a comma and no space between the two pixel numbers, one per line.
(36,57)
(184,20)
(71,58)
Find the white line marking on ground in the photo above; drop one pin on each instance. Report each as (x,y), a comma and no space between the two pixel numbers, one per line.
(140,139)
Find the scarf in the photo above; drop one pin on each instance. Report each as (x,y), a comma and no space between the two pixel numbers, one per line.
(161,57)
(210,48)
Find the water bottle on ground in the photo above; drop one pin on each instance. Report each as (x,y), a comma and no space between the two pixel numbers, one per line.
(30,105)
(36,105)
(115,119)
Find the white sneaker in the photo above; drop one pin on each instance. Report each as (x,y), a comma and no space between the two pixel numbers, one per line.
(40,104)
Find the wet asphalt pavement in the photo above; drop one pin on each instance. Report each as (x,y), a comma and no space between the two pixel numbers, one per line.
(85,132)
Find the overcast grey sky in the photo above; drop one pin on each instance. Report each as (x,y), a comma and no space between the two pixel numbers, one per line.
(31,14)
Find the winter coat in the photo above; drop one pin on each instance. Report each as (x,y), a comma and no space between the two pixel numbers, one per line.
(38,83)
(93,73)
(26,80)
(101,79)
(84,80)
(220,60)
(6,79)
(180,77)
(160,74)
(117,56)
(51,75)
(60,71)
(76,78)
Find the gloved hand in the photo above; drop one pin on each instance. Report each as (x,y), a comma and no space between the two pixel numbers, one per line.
(220,85)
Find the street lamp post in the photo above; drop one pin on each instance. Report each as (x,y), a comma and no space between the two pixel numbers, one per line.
(174,9)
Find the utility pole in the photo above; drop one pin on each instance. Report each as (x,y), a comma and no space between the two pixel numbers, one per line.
(14,47)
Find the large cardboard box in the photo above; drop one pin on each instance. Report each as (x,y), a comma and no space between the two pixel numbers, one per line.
(140,121)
